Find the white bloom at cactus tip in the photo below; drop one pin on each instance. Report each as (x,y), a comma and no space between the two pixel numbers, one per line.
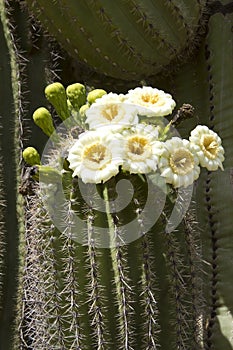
(207,145)
(141,149)
(96,156)
(150,101)
(178,164)
(111,110)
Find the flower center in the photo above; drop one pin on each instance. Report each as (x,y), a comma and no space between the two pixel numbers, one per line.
(110,111)
(148,98)
(95,155)
(181,161)
(209,146)
(137,144)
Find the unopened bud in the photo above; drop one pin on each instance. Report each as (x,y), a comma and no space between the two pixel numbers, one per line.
(56,95)
(31,156)
(76,94)
(94,94)
(83,110)
(43,119)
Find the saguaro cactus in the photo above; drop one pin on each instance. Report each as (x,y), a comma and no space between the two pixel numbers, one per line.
(163,289)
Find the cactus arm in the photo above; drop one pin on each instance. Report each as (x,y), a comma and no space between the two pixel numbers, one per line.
(115,39)
(218,186)
(11,137)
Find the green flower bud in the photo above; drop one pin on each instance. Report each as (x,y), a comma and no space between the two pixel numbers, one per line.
(94,94)
(83,110)
(56,95)
(76,94)
(31,156)
(43,119)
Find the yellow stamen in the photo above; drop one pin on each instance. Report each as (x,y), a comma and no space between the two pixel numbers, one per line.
(94,153)
(110,111)
(137,144)
(209,146)
(181,161)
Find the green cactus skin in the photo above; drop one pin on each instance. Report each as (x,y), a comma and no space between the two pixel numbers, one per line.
(207,85)
(12,220)
(124,39)
(217,188)
(20,74)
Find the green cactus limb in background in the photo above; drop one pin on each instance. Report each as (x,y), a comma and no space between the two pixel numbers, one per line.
(11,128)
(19,73)
(127,39)
(217,220)
(207,85)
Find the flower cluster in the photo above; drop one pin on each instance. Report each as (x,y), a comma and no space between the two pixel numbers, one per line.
(117,140)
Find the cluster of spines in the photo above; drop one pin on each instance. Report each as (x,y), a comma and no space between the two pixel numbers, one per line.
(63,294)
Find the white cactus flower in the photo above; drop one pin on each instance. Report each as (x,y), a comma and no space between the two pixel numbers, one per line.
(150,101)
(96,156)
(207,145)
(141,149)
(178,164)
(111,110)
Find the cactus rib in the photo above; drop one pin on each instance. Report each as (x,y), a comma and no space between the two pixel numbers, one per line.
(194,254)
(95,296)
(176,267)
(218,203)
